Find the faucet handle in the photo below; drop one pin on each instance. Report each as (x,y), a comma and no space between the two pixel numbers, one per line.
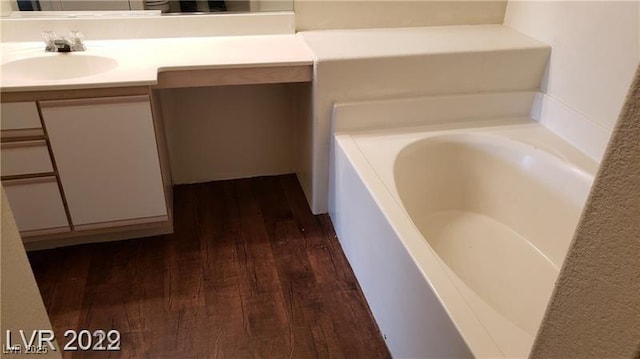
(49,38)
(76,40)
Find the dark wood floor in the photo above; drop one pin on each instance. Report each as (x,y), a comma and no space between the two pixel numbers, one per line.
(248,273)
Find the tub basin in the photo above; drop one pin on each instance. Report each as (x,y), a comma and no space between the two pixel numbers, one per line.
(498,212)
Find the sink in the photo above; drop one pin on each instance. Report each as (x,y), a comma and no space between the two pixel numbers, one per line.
(57,67)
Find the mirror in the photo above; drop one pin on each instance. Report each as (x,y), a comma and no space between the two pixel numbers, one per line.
(167,7)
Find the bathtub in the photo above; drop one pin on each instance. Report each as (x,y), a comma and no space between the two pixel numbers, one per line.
(456,233)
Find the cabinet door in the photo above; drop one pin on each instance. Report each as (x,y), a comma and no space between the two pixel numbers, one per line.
(107,159)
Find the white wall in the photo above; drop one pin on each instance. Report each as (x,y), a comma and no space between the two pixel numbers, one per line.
(595,51)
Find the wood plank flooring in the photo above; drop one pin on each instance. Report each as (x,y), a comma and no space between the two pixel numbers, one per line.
(248,273)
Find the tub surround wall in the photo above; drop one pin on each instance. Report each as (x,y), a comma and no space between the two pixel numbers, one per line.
(371,64)
(323,15)
(580,131)
(411,112)
(594,308)
(596,48)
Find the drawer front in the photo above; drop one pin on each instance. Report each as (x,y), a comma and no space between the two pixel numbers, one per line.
(19,116)
(20,119)
(25,157)
(36,204)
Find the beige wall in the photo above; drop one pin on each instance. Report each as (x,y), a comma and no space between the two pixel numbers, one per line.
(595,309)
(595,51)
(350,14)
(6,6)
(217,133)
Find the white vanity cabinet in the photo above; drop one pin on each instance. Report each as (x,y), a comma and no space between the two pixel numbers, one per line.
(107,160)
(82,166)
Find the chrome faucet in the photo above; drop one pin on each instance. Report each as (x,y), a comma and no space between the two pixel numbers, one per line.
(70,43)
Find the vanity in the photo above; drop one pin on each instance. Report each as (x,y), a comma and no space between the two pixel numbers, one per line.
(81,163)
(85,153)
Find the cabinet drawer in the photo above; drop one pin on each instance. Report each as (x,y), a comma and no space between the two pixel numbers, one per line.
(20,119)
(36,204)
(25,157)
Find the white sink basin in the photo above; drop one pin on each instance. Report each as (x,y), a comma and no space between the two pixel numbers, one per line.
(57,67)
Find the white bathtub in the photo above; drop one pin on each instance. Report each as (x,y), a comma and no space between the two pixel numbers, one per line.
(456,235)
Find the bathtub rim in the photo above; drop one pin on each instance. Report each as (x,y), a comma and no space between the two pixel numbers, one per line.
(481,138)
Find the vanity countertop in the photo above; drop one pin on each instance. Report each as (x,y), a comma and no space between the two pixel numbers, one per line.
(141,60)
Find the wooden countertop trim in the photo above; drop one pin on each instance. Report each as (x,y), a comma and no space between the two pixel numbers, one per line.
(73,94)
(95,101)
(234,76)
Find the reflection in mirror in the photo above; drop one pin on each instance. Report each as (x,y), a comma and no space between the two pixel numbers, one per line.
(165,6)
